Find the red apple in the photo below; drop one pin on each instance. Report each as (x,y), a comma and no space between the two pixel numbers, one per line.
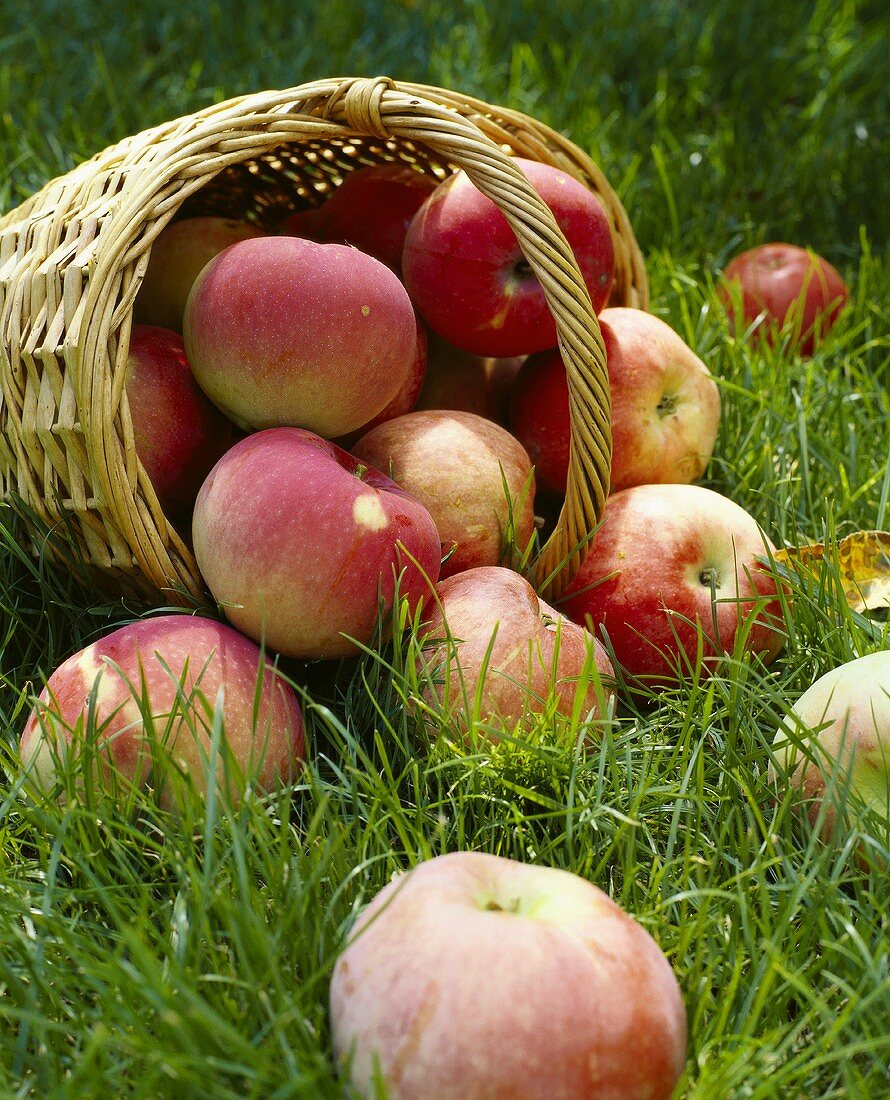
(837,739)
(670,569)
(178,432)
(474,976)
(299,542)
(178,669)
(792,286)
(283,331)
(458,380)
(665,405)
(177,256)
(468,277)
(470,473)
(494,651)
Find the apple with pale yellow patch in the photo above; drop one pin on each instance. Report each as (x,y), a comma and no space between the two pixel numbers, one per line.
(474,976)
(302,543)
(472,475)
(177,671)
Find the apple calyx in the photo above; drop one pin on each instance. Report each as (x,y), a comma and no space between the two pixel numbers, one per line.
(512,906)
(709,578)
(667,406)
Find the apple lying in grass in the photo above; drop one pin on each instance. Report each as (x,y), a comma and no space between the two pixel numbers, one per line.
(493,651)
(473,975)
(177,256)
(467,275)
(838,739)
(799,293)
(472,475)
(665,405)
(301,543)
(140,704)
(674,569)
(284,331)
(178,432)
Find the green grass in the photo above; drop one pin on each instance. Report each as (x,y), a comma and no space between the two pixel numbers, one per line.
(143,958)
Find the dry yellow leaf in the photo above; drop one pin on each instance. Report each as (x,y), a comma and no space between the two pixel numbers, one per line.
(864,562)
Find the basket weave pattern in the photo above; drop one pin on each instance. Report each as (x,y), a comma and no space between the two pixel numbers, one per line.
(72,258)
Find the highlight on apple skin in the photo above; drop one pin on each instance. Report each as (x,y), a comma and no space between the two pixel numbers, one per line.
(150,689)
(476,977)
(303,545)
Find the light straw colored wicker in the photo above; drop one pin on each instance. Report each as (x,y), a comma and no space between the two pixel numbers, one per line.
(73,255)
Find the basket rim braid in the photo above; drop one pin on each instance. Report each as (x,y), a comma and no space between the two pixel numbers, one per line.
(73,255)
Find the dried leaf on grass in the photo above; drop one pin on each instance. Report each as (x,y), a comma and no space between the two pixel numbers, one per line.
(863,559)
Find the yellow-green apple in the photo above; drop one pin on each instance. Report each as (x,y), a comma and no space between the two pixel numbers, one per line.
(467,275)
(457,379)
(177,256)
(665,405)
(837,738)
(178,432)
(477,977)
(672,569)
(794,291)
(493,651)
(150,692)
(284,331)
(301,543)
(472,475)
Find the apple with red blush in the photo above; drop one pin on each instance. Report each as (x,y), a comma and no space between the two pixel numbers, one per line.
(783,290)
(179,434)
(672,570)
(474,975)
(285,331)
(177,256)
(466,273)
(150,692)
(475,479)
(493,651)
(302,544)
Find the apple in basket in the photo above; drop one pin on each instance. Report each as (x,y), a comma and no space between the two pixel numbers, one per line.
(472,475)
(178,432)
(151,690)
(177,256)
(787,287)
(302,544)
(284,331)
(837,740)
(673,570)
(473,975)
(665,405)
(492,650)
(457,379)
(466,272)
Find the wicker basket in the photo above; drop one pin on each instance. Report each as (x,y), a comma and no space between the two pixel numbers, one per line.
(72,258)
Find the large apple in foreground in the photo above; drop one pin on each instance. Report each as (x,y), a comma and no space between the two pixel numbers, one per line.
(476,977)
(467,275)
(177,257)
(177,669)
(671,569)
(791,285)
(471,474)
(300,543)
(494,651)
(178,432)
(280,330)
(838,737)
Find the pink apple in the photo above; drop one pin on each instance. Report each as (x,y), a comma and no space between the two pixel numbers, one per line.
(178,432)
(494,651)
(665,405)
(283,331)
(468,277)
(300,542)
(670,569)
(474,976)
(837,738)
(472,475)
(177,256)
(178,669)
